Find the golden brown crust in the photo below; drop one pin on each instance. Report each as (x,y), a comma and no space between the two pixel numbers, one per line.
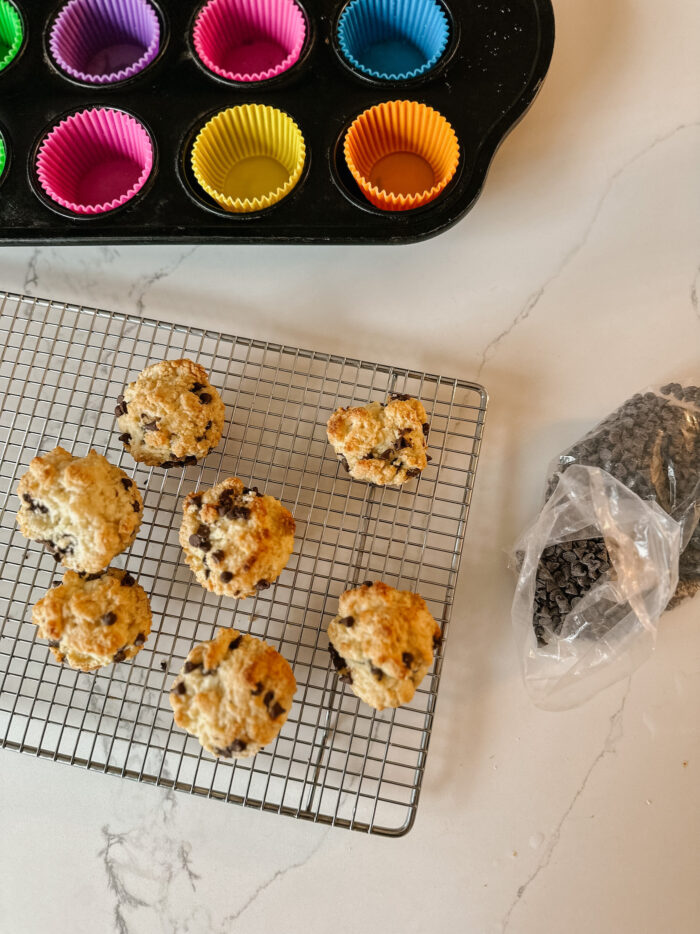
(236,541)
(381,443)
(233,693)
(83,509)
(171,414)
(93,621)
(382,643)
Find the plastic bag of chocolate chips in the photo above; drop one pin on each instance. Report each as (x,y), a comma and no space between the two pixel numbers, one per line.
(595,572)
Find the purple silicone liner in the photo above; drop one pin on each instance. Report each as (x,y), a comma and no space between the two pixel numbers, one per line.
(99,151)
(87,31)
(222,26)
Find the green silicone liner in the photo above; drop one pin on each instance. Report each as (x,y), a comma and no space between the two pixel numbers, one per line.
(11,33)
(2,156)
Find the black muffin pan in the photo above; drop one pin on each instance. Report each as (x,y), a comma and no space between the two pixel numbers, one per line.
(496,59)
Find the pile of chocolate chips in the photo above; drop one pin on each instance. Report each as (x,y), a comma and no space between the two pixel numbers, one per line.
(652,445)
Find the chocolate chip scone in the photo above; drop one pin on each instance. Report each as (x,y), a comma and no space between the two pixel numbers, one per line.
(384,443)
(382,643)
(83,509)
(233,693)
(235,540)
(171,415)
(93,620)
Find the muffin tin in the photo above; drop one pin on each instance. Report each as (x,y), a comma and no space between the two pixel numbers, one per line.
(483,80)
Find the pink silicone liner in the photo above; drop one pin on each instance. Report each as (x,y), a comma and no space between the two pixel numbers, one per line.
(222,25)
(84,27)
(109,147)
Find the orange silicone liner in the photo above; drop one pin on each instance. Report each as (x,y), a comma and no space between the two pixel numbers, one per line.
(402,154)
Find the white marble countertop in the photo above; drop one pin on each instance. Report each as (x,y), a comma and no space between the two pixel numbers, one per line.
(573,283)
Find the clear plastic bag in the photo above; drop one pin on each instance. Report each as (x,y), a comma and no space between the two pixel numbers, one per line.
(651,443)
(606,627)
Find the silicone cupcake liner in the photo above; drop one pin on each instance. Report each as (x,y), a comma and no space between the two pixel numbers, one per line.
(95,160)
(104,41)
(11,33)
(393,40)
(402,154)
(2,157)
(249,40)
(248,158)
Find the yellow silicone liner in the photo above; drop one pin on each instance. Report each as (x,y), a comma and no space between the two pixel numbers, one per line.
(253,135)
(395,128)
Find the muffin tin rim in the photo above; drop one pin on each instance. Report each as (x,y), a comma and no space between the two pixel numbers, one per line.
(33,176)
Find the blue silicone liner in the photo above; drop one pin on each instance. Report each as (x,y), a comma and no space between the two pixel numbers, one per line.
(393,40)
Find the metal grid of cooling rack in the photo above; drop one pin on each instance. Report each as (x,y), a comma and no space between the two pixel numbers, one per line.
(336,760)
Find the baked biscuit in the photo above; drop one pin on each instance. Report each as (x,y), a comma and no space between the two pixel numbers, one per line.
(382,643)
(83,509)
(171,415)
(382,442)
(233,693)
(235,540)
(93,620)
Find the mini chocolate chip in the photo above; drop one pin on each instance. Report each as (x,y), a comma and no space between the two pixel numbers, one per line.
(27,498)
(238,745)
(128,581)
(140,639)
(344,462)
(125,438)
(262,585)
(346,678)
(136,506)
(190,666)
(436,642)
(428,458)
(195,540)
(126,483)
(189,461)
(109,619)
(196,387)
(120,655)
(275,710)
(426,429)
(400,396)
(238,512)
(225,577)
(92,577)
(216,556)
(258,689)
(120,409)
(203,530)
(205,398)
(414,472)
(120,397)
(163,665)
(268,698)
(235,643)
(167,464)
(347,621)
(368,584)
(56,557)
(336,658)
(179,687)
(151,426)
(207,573)
(377,672)
(407,659)
(54,643)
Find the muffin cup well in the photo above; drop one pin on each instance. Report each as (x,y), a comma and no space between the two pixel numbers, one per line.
(402,154)
(11,33)
(249,40)
(393,40)
(95,160)
(105,41)
(3,157)
(249,157)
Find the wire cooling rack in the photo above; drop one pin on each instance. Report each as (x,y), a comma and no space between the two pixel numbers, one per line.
(336,760)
